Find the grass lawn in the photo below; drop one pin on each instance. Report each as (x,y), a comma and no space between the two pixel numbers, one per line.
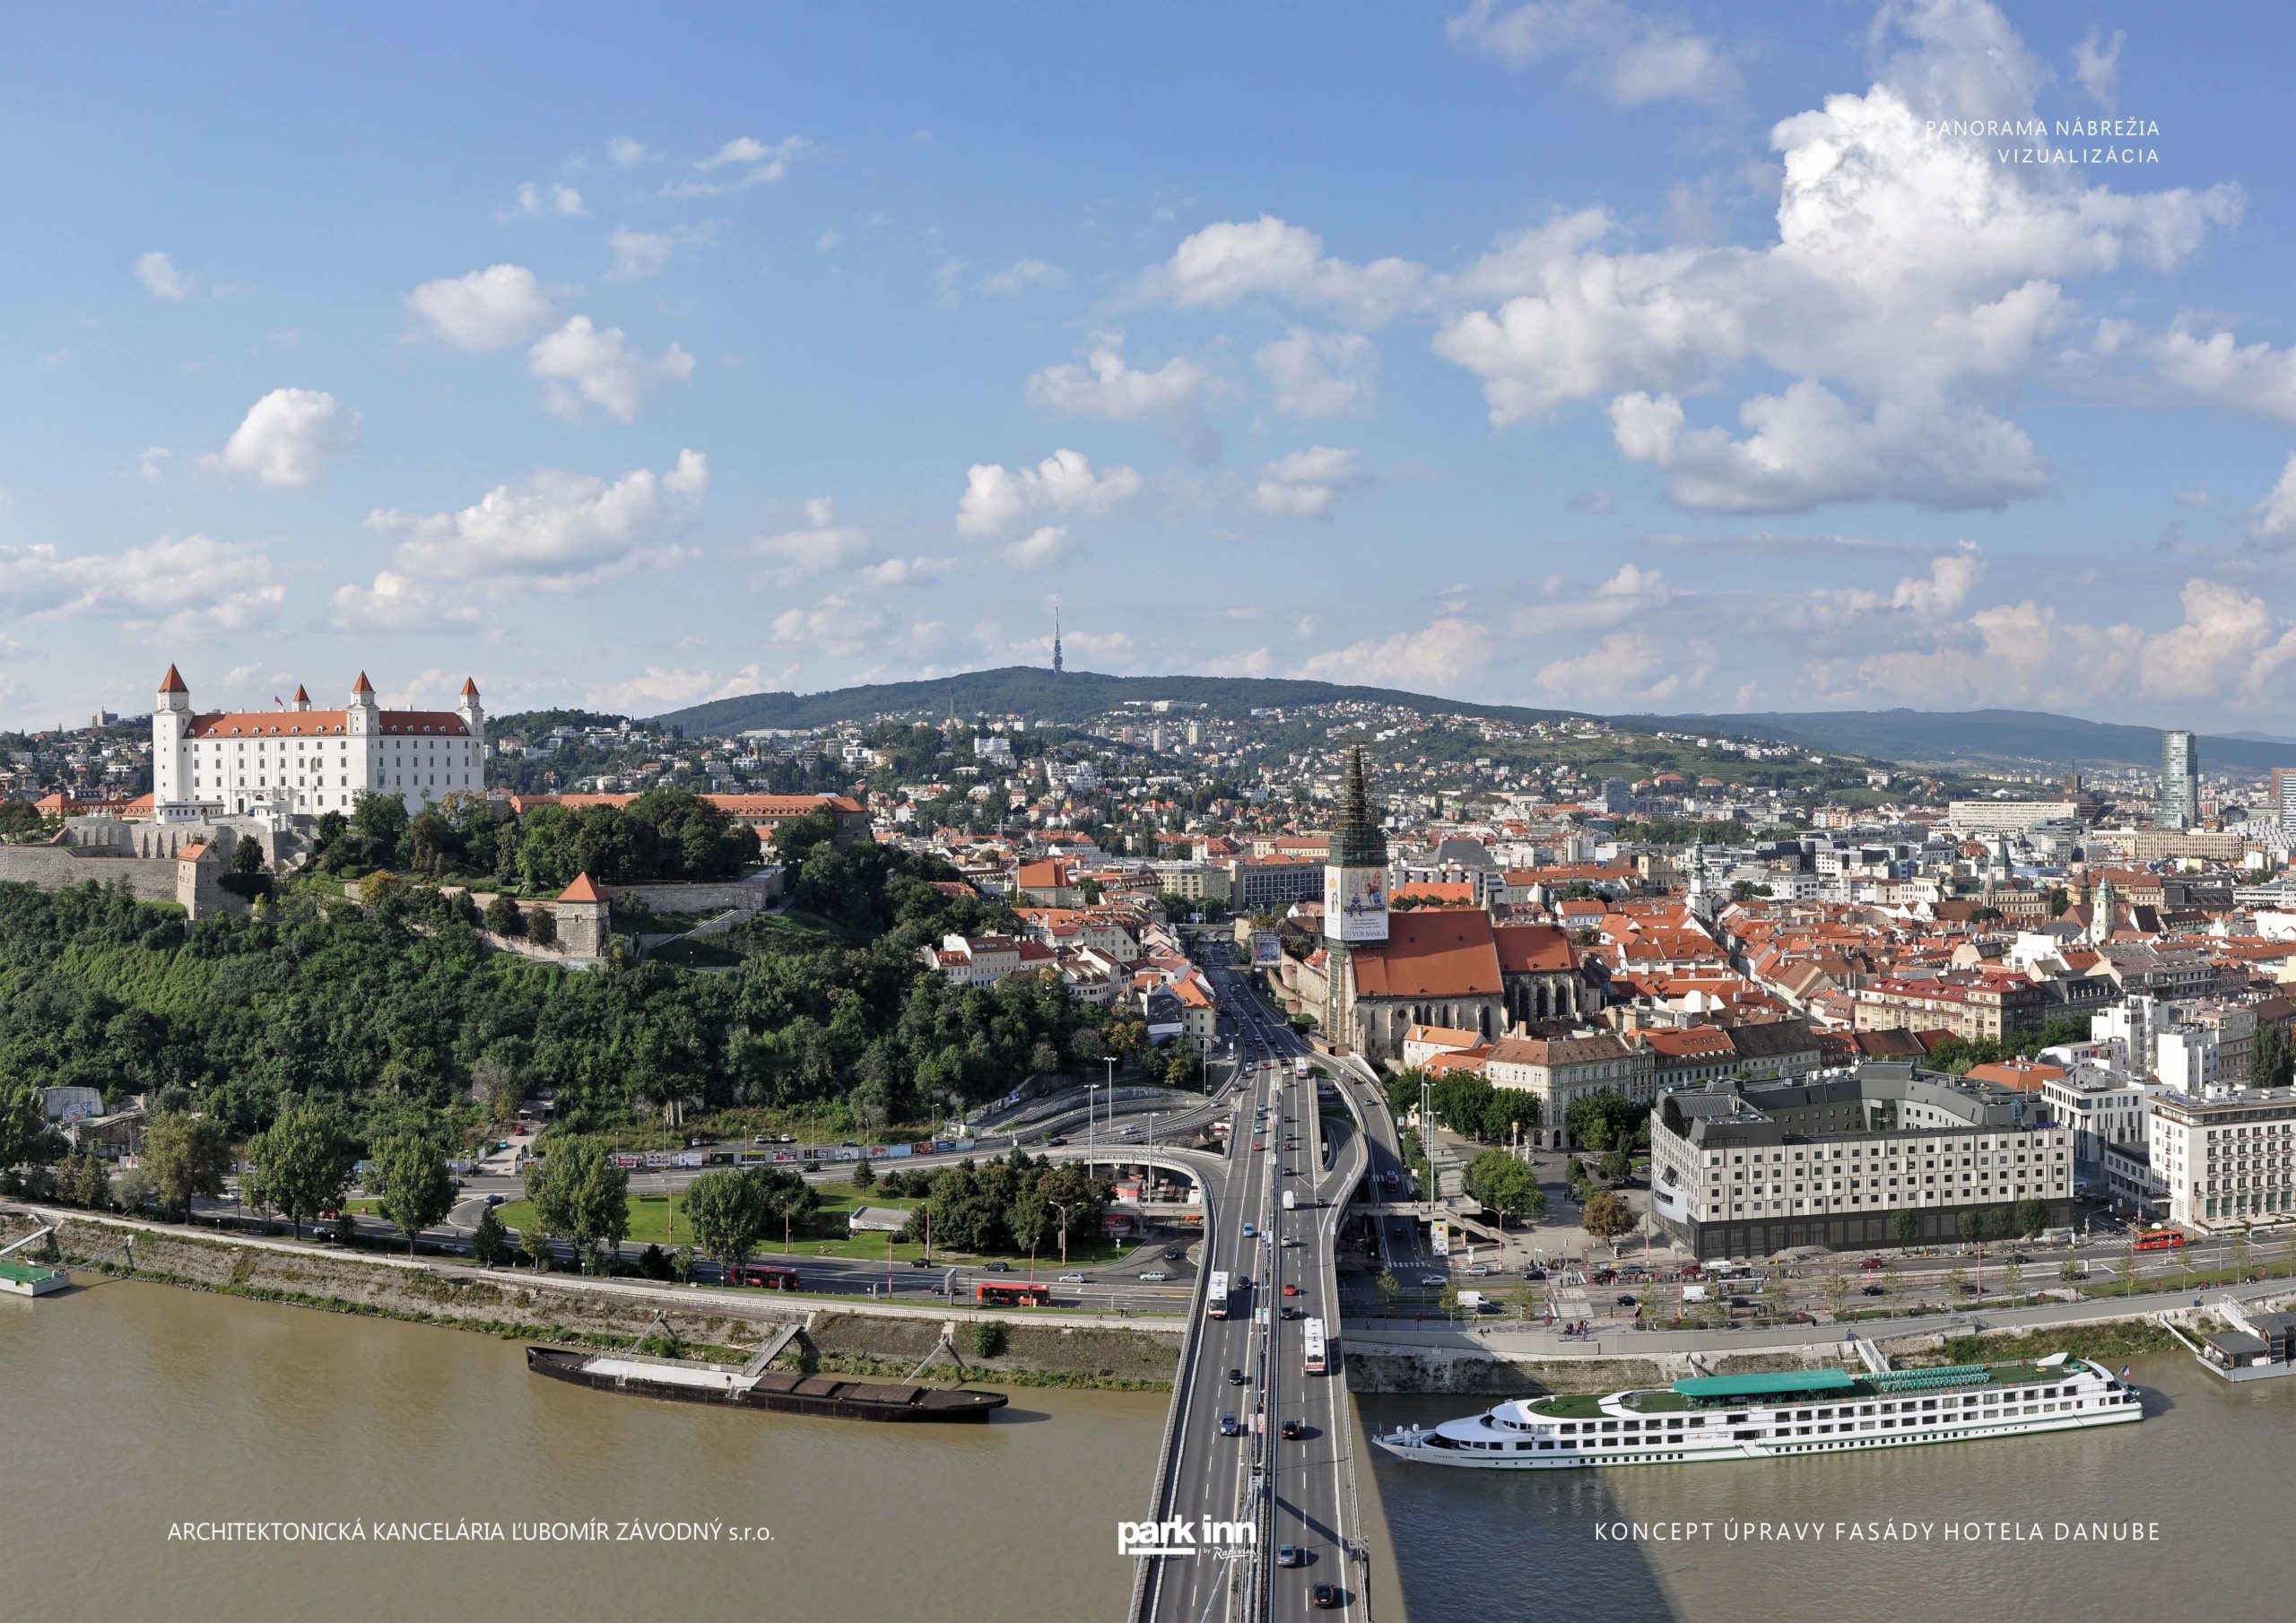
(650,1222)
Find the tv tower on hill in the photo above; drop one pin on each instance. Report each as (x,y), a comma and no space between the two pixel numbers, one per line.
(1056,639)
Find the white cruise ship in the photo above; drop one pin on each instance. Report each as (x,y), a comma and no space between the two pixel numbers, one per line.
(1759,1417)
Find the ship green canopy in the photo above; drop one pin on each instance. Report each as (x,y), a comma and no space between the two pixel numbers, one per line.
(1722,1388)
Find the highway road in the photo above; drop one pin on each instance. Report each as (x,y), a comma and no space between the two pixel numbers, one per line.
(1297,1491)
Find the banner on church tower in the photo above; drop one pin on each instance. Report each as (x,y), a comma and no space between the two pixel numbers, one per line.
(1355,904)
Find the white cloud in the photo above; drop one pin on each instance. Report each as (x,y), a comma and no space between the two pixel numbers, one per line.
(997,499)
(487,309)
(1446,652)
(1319,373)
(1808,447)
(2096,65)
(1629,665)
(581,366)
(827,240)
(905,571)
(758,163)
(1251,662)
(690,477)
(152,463)
(660,688)
(555,533)
(638,255)
(175,587)
(1632,592)
(1637,57)
(1302,484)
(818,546)
(2272,524)
(1951,578)
(532,200)
(837,627)
(2220,370)
(289,437)
(627,152)
(1046,545)
(1107,386)
(1023,274)
(161,279)
(398,603)
(1233,260)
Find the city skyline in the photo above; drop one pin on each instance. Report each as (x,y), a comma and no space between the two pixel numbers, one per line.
(1560,355)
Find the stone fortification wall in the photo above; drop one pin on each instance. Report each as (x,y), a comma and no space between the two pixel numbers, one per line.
(55,867)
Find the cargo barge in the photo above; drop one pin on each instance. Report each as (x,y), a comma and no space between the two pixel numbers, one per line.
(778,1390)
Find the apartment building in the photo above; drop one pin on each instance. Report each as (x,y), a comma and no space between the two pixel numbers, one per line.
(2227,1161)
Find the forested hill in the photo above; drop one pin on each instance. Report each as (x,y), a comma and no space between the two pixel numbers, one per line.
(1072,696)
(2025,738)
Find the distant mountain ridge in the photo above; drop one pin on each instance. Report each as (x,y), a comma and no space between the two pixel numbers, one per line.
(2030,739)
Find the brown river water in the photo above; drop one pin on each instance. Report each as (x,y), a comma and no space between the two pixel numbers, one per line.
(137,1411)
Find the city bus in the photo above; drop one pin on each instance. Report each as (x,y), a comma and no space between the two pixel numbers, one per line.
(1311,1335)
(1001,1295)
(766,1276)
(2158,1239)
(1215,1297)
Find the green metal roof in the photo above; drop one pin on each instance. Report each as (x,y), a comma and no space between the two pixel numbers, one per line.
(1714,1386)
(23,1273)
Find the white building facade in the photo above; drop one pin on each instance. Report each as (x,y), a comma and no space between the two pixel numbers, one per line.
(2228,1161)
(302,761)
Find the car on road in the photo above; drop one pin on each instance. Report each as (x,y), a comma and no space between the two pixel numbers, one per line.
(1172,1254)
(1071,1278)
(1874,1290)
(1250,1229)
(1870,1263)
(1291,1313)
(1535,1276)
(1432,1281)
(495,1200)
(918,1262)
(1056,1140)
(1154,1276)
(1479,1269)
(1230,1426)
(1324,1597)
(811,1166)
(1625,1301)
(1289,1431)
(1289,1555)
(1235,1377)
(997,1267)
(1289,1289)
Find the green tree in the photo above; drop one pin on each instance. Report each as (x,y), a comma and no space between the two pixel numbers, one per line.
(1905,1226)
(489,1241)
(580,1196)
(1969,1224)
(413,1186)
(542,926)
(2272,1059)
(786,1195)
(726,1211)
(1776,1293)
(1837,1287)
(1505,1185)
(682,1264)
(1607,1216)
(1957,1279)
(2125,1270)
(864,1175)
(247,855)
(186,1157)
(300,1165)
(504,917)
(25,1137)
(2031,1217)
(2012,1277)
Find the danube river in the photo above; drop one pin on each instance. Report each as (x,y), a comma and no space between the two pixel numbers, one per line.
(1987,1531)
(132,1409)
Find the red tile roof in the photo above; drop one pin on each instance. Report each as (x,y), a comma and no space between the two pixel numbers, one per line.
(1440,953)
(581,890)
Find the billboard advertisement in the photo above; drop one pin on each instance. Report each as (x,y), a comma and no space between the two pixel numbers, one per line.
(1440,1240)
(1355,904)
(1268,950)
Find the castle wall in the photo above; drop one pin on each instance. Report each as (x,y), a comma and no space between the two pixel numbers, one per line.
(59,867)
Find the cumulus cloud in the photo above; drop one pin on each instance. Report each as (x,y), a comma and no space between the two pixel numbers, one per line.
(838,627)
(1045,545)
(2221,371)
(997,498)
(1234,260)
(487,309)
(690,477)
(398,603)
(2096,66)
(1631,594)
(2272,524)
(740,164)
(1303,484)
(1439,656)
(161,279)
(666,688)
(1809,447)
(815,547)
(1108,387)
(289,437)
(627,152)
(532,201)
(556,533)
(1319,373)
(905,571)
(1951,578)
(1634,665)
(1635,56)
(638,255)
(188,587)
(582,366)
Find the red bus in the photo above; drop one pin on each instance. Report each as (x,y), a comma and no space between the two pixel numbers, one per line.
(2160,1239)
(1013,1296)
(767,1276)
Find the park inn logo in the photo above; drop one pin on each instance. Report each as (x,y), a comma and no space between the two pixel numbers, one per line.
(1178,1536)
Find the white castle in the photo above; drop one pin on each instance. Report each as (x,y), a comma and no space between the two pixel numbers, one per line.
(299,762)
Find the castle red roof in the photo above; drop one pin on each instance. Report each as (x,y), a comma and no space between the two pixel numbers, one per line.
(173,682)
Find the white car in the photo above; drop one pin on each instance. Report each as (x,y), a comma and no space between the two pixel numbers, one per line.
(1434,1281)
(1154,1276)
(1071,1278)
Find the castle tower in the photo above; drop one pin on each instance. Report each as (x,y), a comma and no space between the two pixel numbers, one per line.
(472,713)
(362,717)
(170,726)
(302,696)
(581,910)
(1355,897)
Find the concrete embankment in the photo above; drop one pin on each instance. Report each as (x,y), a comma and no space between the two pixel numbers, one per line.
(572,1310)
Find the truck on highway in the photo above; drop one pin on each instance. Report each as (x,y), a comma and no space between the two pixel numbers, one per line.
(1300,1067)
(1290,1199)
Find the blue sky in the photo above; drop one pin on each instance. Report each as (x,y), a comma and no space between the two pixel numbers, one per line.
(1572,352)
